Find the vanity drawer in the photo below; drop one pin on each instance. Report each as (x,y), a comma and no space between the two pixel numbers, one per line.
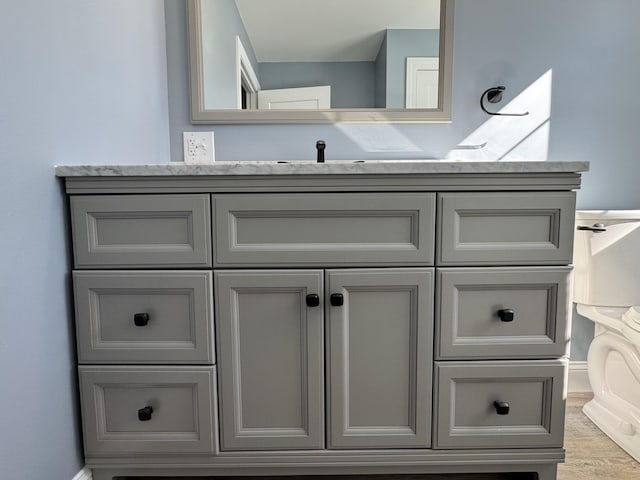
(157,317)
(502,312)
(502,228)
(324,230)
(141,231)
(117,419)
(500,404)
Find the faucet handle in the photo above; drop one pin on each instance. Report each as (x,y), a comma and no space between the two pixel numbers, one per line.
(320,146)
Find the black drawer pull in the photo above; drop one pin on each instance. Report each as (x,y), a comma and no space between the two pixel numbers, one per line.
(144,414)
(141,319)
(336,300)
(506,315)
(313,300)
(502,408)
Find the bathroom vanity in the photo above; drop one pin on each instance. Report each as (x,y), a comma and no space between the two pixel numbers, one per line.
(263,318)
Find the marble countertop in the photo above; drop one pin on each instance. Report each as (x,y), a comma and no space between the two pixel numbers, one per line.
(308,167)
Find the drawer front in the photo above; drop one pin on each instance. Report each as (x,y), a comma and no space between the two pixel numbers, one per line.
(156,317)
(324,230)
(117,418)
(503,312)
(506,228)
(141,231)
(500,404)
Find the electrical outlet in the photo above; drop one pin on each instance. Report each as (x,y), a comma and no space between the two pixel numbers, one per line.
(198,147)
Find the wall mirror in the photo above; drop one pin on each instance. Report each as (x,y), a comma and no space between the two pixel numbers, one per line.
(320,61)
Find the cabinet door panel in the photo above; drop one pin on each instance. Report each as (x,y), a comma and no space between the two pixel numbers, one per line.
(120,231)
(181,403)
(178,306)
(380,357)
(517,228)
(470,302)
(271,359)
(273,230)
(531,391)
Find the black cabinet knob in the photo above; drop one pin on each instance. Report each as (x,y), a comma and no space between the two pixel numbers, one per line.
(506,315)
(313,300)
(502,408)
(141,319)
(144,414)
(336,300)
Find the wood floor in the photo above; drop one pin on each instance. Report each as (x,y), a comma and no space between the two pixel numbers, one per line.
(591,455)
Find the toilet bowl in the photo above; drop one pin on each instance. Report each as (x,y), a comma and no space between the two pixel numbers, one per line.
(607,291)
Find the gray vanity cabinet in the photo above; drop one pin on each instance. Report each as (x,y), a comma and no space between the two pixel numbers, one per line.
(335,319)
(503,304)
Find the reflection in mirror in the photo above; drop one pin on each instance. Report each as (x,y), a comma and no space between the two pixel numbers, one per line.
(320,61)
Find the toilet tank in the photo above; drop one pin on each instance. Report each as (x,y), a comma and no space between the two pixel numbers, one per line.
(607,264)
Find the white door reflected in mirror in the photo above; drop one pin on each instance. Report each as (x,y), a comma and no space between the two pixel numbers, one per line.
(310,98)
(422,82)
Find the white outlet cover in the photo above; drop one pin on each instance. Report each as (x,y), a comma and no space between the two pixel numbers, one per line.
(198,147)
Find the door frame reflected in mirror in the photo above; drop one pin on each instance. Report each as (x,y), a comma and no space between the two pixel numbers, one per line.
(202,115)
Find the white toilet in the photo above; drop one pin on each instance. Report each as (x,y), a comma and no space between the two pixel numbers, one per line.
(607,291)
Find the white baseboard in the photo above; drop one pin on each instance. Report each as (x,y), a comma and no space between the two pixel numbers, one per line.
(84,474)
(578,378)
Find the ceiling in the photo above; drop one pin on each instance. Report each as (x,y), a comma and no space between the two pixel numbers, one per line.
(329,30)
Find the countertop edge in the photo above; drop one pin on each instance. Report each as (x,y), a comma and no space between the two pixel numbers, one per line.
(335,167)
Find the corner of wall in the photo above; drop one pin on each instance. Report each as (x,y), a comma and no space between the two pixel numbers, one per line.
(84,474)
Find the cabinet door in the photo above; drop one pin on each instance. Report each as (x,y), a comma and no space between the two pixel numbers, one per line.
(270,358)
(380,356)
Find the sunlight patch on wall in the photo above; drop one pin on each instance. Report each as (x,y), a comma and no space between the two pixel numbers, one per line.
(513,138)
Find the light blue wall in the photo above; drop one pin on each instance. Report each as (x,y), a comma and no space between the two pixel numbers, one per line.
(82,81)
(403,43)
(591,46)
(381,75)
(352,83)
(221,24)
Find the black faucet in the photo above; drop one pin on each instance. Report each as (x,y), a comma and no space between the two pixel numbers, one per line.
(320,146)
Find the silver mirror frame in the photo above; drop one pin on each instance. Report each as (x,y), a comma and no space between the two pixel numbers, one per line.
(200,115)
